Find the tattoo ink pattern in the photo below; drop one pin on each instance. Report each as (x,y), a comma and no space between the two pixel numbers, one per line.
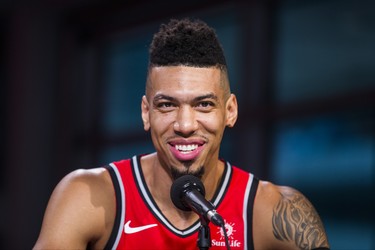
(295,219)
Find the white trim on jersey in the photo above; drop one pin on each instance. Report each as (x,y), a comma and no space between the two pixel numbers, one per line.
(122,218)
(245,203)
(224,186)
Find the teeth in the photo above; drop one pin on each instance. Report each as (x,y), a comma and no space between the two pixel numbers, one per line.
(186,148)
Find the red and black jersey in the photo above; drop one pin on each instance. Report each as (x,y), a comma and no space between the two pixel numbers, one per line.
(139,223)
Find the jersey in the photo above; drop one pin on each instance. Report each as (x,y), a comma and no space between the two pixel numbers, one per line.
(140,224)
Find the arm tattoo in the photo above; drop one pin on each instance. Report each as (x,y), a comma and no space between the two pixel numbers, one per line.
(295,219)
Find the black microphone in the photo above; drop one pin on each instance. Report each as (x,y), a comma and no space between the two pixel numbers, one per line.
(187,193)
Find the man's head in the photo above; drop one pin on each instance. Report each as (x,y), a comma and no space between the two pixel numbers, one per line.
(188,102)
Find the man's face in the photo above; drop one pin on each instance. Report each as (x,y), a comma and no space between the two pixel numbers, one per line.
(187,110)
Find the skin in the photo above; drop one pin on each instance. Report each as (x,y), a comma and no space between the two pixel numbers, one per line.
(182,106)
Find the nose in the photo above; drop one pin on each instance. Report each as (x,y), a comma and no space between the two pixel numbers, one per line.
(185,123)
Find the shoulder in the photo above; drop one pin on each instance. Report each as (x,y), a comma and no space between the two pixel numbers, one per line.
(93,186)
(85,178)
(287,219)
(80,211)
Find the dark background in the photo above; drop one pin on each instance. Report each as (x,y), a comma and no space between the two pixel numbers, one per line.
(72,75)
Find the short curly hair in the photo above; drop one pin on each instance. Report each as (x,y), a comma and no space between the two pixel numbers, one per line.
(186,42)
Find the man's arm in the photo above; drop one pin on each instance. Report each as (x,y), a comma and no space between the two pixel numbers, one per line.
(80,212)
(295,220)
(287,220)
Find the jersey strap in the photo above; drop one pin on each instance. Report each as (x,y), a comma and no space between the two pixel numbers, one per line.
(120,208)
(249,210)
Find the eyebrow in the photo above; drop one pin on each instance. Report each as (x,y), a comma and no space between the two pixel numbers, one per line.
(163,97)
(198,98)
(208,96)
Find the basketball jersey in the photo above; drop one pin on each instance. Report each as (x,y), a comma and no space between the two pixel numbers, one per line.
(139,223)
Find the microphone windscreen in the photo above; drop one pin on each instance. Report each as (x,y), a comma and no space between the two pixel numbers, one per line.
(181,186)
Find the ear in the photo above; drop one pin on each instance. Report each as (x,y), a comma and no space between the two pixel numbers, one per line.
(145,113)
(231,111)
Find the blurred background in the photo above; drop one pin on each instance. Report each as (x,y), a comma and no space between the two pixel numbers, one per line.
(72,74)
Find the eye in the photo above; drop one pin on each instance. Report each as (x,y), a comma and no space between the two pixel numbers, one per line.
(165,106)
(205,105)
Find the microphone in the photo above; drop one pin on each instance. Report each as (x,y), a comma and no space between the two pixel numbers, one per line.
(187,193)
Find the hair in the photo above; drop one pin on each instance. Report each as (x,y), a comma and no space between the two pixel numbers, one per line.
(186,42)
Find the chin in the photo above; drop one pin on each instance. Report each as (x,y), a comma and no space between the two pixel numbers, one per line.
(176,173)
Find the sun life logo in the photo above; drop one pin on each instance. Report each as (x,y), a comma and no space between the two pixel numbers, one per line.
(229,228)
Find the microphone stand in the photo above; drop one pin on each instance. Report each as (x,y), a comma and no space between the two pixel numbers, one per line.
(204,235)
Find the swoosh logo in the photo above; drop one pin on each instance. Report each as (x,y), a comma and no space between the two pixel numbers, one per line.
(131,230)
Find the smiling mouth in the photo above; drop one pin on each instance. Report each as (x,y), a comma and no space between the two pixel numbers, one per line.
(185,149)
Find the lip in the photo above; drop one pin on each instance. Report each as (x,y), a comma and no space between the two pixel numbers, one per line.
(196,146)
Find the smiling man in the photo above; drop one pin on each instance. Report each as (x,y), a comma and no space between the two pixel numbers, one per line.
(186,109)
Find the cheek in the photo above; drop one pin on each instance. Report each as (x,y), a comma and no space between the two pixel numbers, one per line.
(212,124)
(161,122)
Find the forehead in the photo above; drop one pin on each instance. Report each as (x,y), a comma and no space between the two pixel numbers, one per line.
(184,80)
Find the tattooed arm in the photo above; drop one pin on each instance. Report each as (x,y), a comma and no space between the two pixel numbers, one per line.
(291,220)
(295,220)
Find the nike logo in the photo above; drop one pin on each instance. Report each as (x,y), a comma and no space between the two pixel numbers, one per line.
(131,230)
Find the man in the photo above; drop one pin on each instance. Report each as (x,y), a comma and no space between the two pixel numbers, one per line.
(186,108)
